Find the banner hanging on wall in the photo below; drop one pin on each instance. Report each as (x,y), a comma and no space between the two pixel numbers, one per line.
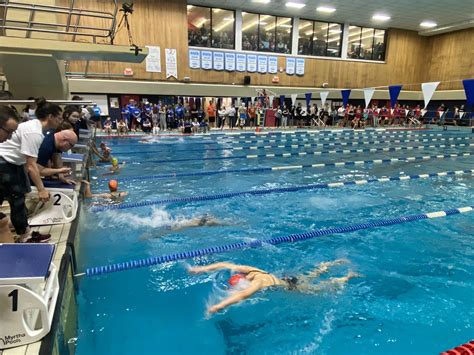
(153,60)
(428,91)
(251,63)
(262,64)
(171,63)
(272,65)
(194,59)
(241,62)
(206,60)
(299,66)
(290,65)
(345,97)
(218,60)
(229,61)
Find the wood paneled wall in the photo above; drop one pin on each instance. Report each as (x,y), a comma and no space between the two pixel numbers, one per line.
(410,58)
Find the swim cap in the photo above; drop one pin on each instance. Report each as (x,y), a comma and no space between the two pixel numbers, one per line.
(113,185)
(234,279)
(114,161)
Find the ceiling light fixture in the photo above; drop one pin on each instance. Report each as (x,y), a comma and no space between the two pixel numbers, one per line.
(428,24)
(381,17)
(295,5)
(326,9)
(261,1)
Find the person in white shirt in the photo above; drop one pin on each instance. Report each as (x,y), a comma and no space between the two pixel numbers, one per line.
(17,157)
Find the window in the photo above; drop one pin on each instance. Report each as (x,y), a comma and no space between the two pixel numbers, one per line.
(366,43)
(211,27)
(319,38)
(266,33)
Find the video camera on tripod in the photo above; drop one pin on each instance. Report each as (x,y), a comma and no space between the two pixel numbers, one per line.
(127,8)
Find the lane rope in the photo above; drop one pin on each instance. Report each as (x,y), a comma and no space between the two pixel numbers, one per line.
(140,263)
(260,192)
(352,143)
(304,153)
(288,167)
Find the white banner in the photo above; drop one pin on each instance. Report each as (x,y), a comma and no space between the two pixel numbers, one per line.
(241,62)
(428,91)
(218,58)
(299,66)
(293,99)
(206,60)
(153,60)
(461,114)
(368,94)
(290,65)
(262,64)
(270,102)
(171,63)
(194,59)
(324,96)
(251,63)
(272,65)
(230,61)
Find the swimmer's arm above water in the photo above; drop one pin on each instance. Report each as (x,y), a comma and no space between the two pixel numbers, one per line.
(220,266)
(236,297)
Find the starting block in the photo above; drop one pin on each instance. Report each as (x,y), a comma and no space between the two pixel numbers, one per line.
(28,293)
(61,208)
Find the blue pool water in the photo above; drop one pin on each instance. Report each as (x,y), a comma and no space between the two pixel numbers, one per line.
(415,296)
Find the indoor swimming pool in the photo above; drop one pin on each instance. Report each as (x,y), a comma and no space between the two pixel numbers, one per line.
(414,295)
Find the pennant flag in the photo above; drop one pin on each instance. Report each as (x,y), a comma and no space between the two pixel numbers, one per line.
(282,101)
(252,100)
(423,112)
(271,98)
(308,98)
(324,96)
(461,114)
(345,97)
(428,91)
(394,92)
(368,93)
(293,99)
(246,101)
(469,90)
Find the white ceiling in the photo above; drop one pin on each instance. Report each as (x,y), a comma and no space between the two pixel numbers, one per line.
(405,14)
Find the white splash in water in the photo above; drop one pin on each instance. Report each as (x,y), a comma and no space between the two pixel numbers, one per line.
(325,328)
(159,218)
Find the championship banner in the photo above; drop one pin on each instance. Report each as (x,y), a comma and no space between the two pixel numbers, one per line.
(206,60)
(171,63)
(299,66)
(241,62)
(218,59)
(194,59)
(230,61)
(153,60)
(272,65)
(290,65)
(251,63)
(262,64)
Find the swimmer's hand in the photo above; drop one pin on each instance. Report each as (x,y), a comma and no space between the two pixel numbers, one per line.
(213,309)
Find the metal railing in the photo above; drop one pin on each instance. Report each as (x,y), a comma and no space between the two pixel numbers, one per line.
(72,26)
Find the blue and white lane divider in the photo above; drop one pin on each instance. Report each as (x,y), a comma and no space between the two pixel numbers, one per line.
(140,263)
(276,190)
(289,167)
(305,153)
(294,146)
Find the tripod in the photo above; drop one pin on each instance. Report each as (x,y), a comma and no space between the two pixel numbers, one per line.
(123,23)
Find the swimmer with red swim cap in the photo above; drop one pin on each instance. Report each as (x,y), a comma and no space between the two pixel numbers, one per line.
(248,280)
(114,194)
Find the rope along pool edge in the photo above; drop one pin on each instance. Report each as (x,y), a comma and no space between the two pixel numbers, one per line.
(135,264)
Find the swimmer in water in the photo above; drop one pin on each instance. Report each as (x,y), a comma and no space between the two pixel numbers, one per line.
(248,280)
(115,168)
(183,224)
(114,194)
